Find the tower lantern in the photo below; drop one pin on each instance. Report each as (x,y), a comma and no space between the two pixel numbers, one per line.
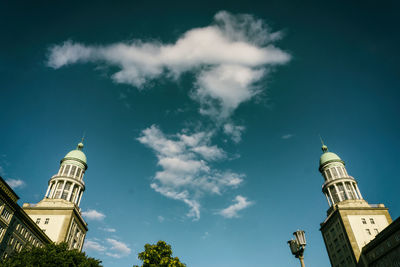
(68,183)
(338,186)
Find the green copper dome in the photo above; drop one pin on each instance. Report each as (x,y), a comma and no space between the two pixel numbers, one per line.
(76,154)
(328,156)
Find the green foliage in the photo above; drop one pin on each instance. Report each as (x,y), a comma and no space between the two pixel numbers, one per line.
(50,255)
(159,255)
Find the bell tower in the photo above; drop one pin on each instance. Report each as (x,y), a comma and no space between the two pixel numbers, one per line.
(58,213)
(351,222)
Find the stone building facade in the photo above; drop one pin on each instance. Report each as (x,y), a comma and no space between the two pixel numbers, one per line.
(17,229)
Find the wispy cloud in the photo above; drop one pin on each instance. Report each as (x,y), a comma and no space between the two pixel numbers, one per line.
(118,249)
(93,245)
(160,218)
(15,183)
(287,136)
(232,211)
(112,247)
(228,58)
(93,215)
(110,230)
(186,172)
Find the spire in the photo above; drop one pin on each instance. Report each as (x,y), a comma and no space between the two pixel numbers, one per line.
(324,147)
(80,145)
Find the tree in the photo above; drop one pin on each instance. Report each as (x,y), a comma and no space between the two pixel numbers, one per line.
(159,255)
(50,255)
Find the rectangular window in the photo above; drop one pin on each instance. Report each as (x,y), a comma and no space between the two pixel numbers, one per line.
(363,221)
(341,191)
(340,171)
(37,220)
(78,173)
(66,171)
(335,174)
(368,231)
(334,194)
(5,214)
(350,190)
(376,231)
(47,221)
(328,174)
(73,171)
(372,220)
(61,170)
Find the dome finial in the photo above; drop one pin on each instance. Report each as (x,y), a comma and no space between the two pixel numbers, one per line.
(324,147)
(80,145)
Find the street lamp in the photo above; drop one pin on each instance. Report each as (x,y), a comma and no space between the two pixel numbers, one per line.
(298,245)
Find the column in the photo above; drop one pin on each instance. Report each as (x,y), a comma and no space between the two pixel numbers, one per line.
(48,189)
(327,198)
(358,191)
(54,189)
(77,195)
(80,197)
(330,195)
(63,187)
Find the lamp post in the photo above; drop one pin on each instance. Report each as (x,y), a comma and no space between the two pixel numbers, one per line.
(298,245)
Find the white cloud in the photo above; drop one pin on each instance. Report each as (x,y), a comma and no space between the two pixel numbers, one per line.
(228,58)
(110,230)
(15,183)
(234,131)
(93,215)
(232,210)
(186,161)
(287,136)
(118,248)
(93,245)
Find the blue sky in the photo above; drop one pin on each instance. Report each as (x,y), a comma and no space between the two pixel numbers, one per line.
(202,120)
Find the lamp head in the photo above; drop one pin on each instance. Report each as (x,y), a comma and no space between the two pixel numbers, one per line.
(294,248)
(300,237)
